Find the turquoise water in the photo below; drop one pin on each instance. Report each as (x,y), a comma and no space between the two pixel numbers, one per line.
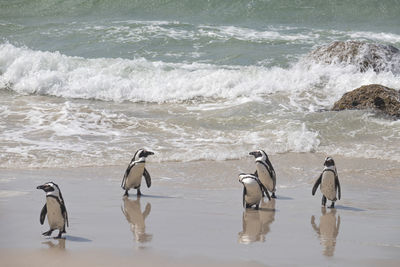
(219,32)
(86,83)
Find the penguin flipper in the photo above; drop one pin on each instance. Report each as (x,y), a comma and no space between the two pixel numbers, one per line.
(64,212)
(270,165)
(337,185)
(43,214)
(263,188)
(244,194)
(317,183)
(269,168)
(271,172)
(266,191)
(128,170)
(147,177)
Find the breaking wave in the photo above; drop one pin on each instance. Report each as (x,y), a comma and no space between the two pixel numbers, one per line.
(305,84)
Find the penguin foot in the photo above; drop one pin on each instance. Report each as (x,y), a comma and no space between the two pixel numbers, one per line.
(139,193)
(48,233)
(126,193)
(257,206)
(323,201)
(332,206)
(59,235)
(273,195)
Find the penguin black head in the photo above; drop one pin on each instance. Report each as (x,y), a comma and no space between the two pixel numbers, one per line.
(51,189)
(241,176)
(48,187)
(144,153)
(329,162)
(259,154)
(141,154)
(246,175)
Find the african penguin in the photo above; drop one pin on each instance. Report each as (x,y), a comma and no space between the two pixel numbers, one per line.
(329,182)
(252,190)
(265,172)
(135,171)
(57,216)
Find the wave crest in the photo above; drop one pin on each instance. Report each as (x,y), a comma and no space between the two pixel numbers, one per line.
(307,85)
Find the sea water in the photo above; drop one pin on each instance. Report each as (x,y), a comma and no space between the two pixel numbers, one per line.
(87,83)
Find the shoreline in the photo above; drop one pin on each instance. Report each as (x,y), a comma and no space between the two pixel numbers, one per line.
(193,213)
(295,168)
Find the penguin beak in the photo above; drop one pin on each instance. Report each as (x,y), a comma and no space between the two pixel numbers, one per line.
(148,153)
(45,188)
(41,187)
(254,153)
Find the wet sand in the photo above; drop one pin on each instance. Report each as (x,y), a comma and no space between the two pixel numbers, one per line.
(193,215)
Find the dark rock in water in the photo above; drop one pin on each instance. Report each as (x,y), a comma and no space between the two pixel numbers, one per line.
(362,55)
(373,96)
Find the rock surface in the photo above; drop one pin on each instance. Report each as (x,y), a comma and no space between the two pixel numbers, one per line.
(364,56)
(373,96)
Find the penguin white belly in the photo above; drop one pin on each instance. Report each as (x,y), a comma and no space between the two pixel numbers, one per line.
(328,185)
(264,177)
(54,214)
(134,178)
(253,191)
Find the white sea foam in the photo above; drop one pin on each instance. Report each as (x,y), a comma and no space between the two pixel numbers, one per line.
(379,37)
(246,34)
(183,111)
(34,72)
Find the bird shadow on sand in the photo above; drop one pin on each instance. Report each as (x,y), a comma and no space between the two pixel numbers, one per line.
(340,207)
(150,196)
(283,197)
(76,238)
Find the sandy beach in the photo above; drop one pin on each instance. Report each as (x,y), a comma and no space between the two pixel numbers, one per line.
(193,215)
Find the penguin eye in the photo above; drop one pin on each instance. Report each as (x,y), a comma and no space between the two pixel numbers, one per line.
(49,188)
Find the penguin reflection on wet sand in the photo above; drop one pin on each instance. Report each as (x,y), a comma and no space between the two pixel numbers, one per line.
(328,230)
(265,171)
(329,183)
(55,209)
(59,246)
(135,171)
(252,190)
(136,218)
(256,223)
